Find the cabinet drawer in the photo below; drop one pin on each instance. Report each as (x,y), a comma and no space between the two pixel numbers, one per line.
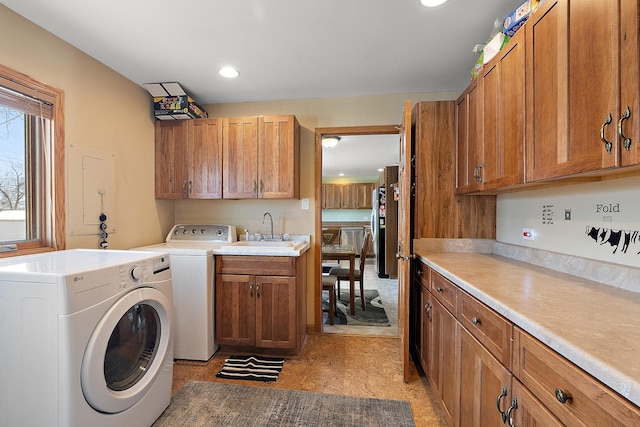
(422,274)
(444,290)
(491,329)
(262,265)
(553,379)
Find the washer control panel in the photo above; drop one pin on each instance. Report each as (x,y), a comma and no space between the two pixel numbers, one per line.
(202,233)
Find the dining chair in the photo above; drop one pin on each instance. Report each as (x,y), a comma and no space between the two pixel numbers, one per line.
(342,273)
(329,284)
(330,236)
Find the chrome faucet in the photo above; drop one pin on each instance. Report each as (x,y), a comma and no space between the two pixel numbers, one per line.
(271,218)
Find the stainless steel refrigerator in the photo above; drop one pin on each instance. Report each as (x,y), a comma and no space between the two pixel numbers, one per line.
(378,230)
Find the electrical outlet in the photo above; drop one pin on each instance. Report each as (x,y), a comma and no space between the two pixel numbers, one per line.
(528,234)
(305,204)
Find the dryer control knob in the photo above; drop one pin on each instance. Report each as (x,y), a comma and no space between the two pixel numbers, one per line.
(136,273)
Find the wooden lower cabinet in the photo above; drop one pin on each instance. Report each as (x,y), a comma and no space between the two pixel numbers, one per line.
(443,361)
(264,313)
(527,411)
(485,371)
(484,382)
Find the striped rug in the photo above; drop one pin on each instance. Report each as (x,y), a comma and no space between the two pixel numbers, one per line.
(251,368)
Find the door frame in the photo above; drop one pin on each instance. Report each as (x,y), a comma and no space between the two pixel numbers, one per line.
(321,132)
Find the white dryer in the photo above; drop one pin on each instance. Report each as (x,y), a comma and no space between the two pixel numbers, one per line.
(86,337)
(191,249)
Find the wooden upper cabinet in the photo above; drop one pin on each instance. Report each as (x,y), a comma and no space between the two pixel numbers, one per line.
(240,157)
(503,116)
(347,196)
(629,83)
(574,94)
(278,157)
(171,159)
(469,154)
(261,157)
(205,159)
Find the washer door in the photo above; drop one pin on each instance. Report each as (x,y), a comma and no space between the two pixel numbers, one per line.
(126,351)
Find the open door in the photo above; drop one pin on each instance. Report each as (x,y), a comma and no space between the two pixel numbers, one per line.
(404,236)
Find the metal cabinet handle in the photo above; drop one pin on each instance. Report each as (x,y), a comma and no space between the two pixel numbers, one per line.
(562,397)
(514,405)
(258,290)
(190,187)
(251,290)
(439,290)
(626,141)
(607,145)
(427,309)
(500,396)
(255,185)
(477,174)
(475,320)
(261,187)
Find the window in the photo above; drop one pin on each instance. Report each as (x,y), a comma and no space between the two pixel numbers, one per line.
(31,165)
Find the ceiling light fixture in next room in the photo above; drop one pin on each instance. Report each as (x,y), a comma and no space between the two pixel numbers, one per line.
(432,3)
(228,72)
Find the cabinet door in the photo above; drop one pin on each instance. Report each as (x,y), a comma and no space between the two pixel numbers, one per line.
(276,312)
(171,159)
(205,159)
(364,195)
(503,91)
(239,158)
(278,157)
(332,196)
(629,82)
(235,309)
(469,151)
(527,411)
(349,196)
(572,60)
(482,380)
(443,360)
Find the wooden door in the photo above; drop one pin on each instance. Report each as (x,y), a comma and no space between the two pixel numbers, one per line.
(240,158)
(278,157)
(205,159)
(527,411)
(503,113)
(404,237)
(482,379)
(235,309)
(443,360)
(276,312)
(469,150)
(629,83)
(171,159)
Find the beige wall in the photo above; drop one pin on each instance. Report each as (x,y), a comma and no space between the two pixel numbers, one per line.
(104,111)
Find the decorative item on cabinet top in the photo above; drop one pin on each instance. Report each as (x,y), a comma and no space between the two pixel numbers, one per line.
(171,102)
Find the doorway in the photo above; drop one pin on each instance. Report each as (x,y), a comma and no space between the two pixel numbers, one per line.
(346,133)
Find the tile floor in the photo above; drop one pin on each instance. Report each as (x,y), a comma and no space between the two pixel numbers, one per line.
(388,290)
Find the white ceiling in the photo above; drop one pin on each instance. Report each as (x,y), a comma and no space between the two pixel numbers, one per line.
(360,156)
(284,49)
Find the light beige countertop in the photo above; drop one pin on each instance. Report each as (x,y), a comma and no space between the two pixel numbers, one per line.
(594,325)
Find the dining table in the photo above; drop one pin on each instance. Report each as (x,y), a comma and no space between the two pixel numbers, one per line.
(339,253)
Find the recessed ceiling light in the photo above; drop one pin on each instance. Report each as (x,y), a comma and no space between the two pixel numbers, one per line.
(341,174)
(380,170)
(228,72)
(432,3)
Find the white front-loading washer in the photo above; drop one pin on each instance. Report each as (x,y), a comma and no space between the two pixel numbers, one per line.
(87,338)
(191,249)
